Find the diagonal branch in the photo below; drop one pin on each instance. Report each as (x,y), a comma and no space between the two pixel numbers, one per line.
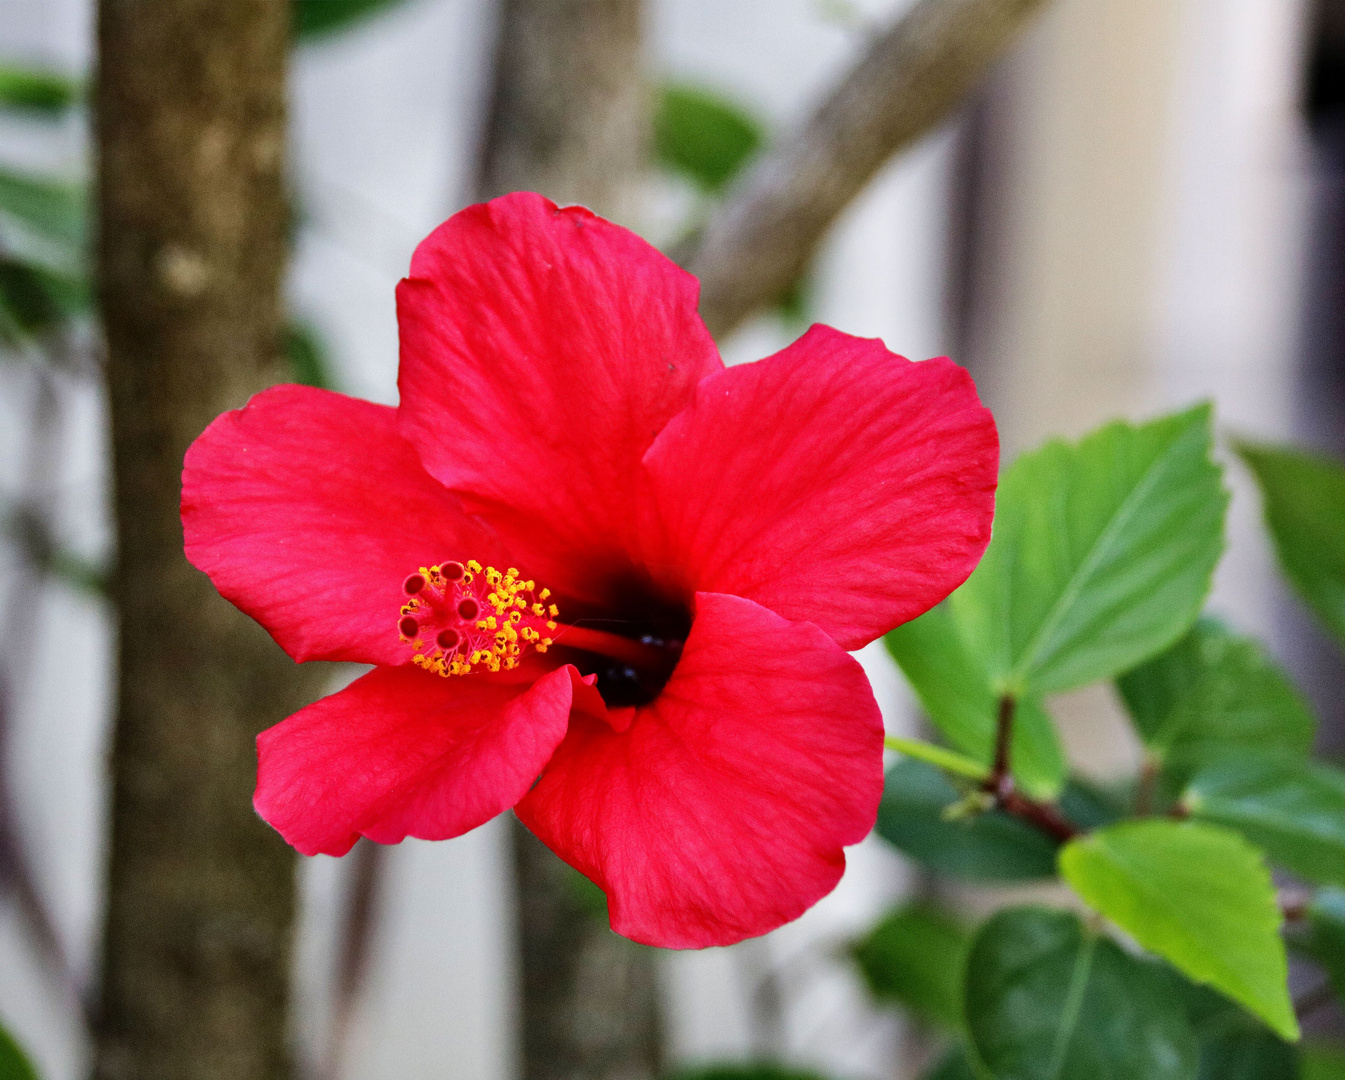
(917,72)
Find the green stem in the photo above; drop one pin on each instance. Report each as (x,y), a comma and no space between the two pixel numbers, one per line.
(936,755)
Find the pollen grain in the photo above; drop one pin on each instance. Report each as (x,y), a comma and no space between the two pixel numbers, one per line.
(462,617)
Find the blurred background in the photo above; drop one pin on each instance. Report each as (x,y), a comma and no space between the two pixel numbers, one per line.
(1141,205)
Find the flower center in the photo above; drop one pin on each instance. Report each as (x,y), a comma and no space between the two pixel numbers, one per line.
(462,617)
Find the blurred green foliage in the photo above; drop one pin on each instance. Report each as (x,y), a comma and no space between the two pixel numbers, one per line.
(914,957)
(1303,496)
(307,355)
(704,136)
(314,19)
(33,90)
(14,1064)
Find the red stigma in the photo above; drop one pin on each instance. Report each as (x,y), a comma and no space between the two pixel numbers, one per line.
(460,617)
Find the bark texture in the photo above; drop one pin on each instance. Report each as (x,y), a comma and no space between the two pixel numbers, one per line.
(569,115)
(589,1002)
(190,128)
(913,75)
(569,118)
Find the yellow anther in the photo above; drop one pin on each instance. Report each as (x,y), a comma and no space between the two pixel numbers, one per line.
(509,619)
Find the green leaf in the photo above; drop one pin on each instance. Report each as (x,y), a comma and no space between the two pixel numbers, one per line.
(1101,556)
(307,354)
(1197,895)
(703,135)
(14,1064)
(318,18)
(1321,1062)
(1048,1000)
(954,689)
(1293,808)
(51,209)
(1212,693)
(31,90)
(1303,496)
(914,957)
(35,300)
(991,846)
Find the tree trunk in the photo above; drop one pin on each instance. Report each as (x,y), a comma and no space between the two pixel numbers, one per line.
(569,119)
(190,127)
(569,116)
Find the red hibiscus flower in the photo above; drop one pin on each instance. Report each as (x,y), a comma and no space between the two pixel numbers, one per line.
(604,580)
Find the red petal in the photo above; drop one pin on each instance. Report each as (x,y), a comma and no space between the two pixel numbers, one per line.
(833,482)
(401,752)
(542,351)
(308,511)
(721,812)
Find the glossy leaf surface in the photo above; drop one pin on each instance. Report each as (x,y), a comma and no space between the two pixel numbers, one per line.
(1197,895)
(1214,692)
(1048,1000)
(1291,807)
(1102,555)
